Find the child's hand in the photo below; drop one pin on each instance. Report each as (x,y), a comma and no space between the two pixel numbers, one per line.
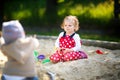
(60,49)
(67,50)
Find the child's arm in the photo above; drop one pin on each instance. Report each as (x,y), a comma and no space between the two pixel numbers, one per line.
(78,43)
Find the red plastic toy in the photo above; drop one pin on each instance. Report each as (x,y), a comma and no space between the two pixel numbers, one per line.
(99,51)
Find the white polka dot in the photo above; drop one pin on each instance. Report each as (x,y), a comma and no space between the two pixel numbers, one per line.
(56,55)
(57,58)
(67,59)
(70,57)
(75,57)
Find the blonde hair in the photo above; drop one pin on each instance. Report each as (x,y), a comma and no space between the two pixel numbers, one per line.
(74,19)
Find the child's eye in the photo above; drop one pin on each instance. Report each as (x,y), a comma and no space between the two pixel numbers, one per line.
(70,25)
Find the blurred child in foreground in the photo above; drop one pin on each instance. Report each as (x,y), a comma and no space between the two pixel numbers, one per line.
(19,50)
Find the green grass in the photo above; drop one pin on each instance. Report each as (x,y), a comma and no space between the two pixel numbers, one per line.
(90,36)
(83,35)
(98,11)
(100,37)
(92,14)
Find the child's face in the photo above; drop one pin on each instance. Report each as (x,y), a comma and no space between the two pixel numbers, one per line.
(69,27)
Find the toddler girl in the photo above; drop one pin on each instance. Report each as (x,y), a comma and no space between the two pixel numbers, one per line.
(68,43)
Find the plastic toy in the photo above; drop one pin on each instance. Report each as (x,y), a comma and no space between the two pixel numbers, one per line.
(99,51)
(41,57)
(36,55)
(45,61)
